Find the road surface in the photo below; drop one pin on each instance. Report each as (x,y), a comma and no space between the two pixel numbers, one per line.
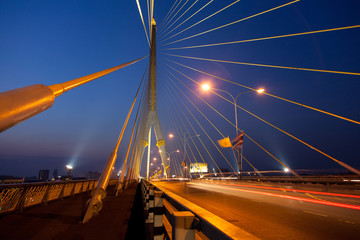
(276,212)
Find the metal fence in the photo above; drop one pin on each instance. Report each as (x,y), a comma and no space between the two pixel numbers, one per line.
(15,197)
(169,216)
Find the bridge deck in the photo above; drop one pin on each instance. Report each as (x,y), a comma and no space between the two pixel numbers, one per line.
(61,219)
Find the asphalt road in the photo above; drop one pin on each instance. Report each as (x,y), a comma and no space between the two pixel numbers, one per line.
(276,213)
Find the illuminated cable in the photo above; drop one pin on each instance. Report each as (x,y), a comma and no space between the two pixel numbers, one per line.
(202,20)
(172,117)
(266,38)
(227,119)
(165,22)
(166,16)
(151,16)
(187,142)
(292,136)
(189,124)
(175,14)
(265,65)
(279,129)
(195,132)
(255,170)
(181,16)
(142,19)
(181,129)
(186,19)
(268,94)
(200,124)
(203,131)
(148,12)
(237,21)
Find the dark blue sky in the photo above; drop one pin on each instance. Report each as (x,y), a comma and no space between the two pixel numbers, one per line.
(50,42)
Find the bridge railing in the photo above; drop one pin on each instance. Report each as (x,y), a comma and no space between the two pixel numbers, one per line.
(170,216)
(15,197)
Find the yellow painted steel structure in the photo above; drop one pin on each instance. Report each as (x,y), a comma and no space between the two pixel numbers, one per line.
(20,104)
(151,114)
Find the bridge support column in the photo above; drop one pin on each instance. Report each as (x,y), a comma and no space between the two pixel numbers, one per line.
(158,216)
(182,225)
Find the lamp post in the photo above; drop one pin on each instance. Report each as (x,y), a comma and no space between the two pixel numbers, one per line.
(185,140)
(68,169)
(168,155)
(206,87)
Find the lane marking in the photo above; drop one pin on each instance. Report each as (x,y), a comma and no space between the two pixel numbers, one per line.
(297,190)
(335,204)
(314,197)
(347,221)
(318,214)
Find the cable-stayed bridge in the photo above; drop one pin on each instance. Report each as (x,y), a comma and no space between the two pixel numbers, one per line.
(257,102)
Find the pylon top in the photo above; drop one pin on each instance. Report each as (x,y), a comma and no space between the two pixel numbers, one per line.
(153,22)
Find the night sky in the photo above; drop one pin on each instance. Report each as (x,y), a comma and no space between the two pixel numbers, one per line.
(48,42)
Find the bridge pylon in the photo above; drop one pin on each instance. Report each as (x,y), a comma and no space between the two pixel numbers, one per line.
(152,118)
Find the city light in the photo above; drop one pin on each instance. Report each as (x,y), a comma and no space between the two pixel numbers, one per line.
(286,170)
(178,150)
(69,167)
(260,90)
(171,135)
(154,159)
(205,87)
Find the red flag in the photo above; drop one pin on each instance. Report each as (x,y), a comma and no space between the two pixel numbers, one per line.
(238,141)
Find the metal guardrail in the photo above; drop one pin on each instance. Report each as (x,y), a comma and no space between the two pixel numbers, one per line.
(170,216)
(16,197)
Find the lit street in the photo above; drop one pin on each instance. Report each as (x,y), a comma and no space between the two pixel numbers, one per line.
(266,214)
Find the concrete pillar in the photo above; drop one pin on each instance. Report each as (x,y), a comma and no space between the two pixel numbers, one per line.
(158,216)
(182,225)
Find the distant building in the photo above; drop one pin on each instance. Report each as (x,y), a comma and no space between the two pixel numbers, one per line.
(44,175)
(10,179)
(55,174)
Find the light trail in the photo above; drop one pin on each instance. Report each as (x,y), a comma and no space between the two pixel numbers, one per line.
(237,21)
(334,204)
(297,190)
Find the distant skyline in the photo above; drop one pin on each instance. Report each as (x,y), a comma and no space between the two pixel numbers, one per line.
(48,42)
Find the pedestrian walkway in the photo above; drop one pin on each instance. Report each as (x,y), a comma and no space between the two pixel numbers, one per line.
(120,218)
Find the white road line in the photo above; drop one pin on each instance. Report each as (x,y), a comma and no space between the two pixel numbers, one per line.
(318,214)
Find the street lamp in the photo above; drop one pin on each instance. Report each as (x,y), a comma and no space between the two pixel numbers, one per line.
(68,169)
(206,87)
(168,154)
(185,140)
(184,161)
